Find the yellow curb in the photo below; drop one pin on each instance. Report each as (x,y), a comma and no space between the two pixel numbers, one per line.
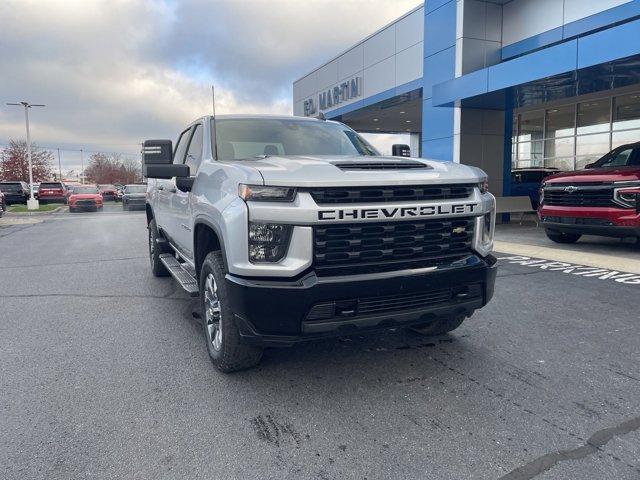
(610,262)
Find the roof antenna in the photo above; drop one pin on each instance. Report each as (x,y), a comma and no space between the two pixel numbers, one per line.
(213,121)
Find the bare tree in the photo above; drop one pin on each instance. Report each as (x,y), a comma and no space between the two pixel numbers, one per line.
(14,164)
(113,168)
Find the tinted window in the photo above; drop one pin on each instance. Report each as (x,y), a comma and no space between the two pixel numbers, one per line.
(194,154)
(84,189)
(135,189)
(252,137)
(51,185)
(181,147)
(618,158)
(11,187)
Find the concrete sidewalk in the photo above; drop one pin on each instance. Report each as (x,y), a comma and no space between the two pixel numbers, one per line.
(602,252)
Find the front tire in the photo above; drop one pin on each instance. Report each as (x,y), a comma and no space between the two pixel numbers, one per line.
(440,326)
(560,237)
(157,267)
(226,348)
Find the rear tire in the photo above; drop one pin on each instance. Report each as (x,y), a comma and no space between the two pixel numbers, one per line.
(440,326)
(560,237)
(225,346)
(157,267)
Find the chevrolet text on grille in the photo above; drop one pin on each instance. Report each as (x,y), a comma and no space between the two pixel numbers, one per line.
(397,212)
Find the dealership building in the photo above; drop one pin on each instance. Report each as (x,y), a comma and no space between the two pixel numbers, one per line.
(501,84)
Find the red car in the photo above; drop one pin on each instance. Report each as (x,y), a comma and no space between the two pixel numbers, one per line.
(603,199)
(109,192)
(52,192)
(85,198)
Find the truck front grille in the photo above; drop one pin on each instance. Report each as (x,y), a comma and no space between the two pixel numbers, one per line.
(409,193)
(347,249)
(579,196)
(388,304)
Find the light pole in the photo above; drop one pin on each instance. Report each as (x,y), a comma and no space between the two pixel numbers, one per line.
(32,203)
(82,171)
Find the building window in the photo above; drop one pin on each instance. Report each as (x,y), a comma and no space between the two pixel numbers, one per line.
(570,136)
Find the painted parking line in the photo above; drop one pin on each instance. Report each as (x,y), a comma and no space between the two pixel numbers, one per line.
(621,262)
(573,269)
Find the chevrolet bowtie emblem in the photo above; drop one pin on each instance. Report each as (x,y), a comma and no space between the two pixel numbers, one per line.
(459,230)
(570,189)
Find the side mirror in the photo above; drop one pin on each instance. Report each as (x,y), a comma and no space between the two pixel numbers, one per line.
(157,156)
(179,170)
(400,150)
(157,152)
(589,165)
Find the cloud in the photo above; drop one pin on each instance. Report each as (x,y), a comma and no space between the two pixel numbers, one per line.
(115,72)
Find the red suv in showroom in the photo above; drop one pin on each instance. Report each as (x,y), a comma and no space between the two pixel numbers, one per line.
(602,199)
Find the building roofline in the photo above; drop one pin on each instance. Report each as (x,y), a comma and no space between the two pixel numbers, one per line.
(418,7)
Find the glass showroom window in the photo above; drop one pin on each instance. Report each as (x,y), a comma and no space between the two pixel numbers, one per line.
(626,120)
(593,129)
(570,136)
(560,131)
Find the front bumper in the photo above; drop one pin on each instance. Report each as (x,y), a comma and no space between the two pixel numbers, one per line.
(134,203)
(610,222)
(281,313)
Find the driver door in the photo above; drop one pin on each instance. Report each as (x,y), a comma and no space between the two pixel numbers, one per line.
(182,200)
(166,189)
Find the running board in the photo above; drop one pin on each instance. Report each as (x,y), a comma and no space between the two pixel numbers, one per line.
(180,273)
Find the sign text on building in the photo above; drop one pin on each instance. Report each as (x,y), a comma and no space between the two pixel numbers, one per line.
(343,92)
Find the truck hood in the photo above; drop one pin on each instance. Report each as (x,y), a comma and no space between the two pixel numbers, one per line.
(327,171)
(612,174)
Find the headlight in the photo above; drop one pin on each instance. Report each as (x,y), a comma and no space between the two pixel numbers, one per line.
(484,186)
(627,197)
(485,227)
(268,243)
(260,193)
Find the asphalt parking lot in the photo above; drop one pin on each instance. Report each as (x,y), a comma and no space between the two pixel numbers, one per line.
(104,374)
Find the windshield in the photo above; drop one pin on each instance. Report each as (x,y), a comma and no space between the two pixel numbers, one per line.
(50,185)
(85,189)
(107,187)
(135,189)
(241,138)
(622,157)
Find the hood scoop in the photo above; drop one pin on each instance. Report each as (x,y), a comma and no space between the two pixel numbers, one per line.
(399,165)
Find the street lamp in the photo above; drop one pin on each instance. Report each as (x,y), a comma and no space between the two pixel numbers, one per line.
(32,203)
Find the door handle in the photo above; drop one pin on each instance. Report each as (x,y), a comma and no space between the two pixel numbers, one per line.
(160,187)
(172,190)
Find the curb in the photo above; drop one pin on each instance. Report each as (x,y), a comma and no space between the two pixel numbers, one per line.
(33,214)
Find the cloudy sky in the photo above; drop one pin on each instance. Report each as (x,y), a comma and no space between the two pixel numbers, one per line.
(115,72)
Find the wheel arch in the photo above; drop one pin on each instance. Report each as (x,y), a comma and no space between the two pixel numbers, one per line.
(206,238)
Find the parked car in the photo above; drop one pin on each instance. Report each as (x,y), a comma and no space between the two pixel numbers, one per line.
(70,187)
(52,192)
(134,197)
(109,192)
(603,199)
(15,192)
(526,182)
(3,204)
(85,198)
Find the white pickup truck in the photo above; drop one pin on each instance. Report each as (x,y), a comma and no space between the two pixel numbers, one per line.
(291,229)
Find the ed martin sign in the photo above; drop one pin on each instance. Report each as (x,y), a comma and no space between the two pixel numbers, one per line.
(334,96)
